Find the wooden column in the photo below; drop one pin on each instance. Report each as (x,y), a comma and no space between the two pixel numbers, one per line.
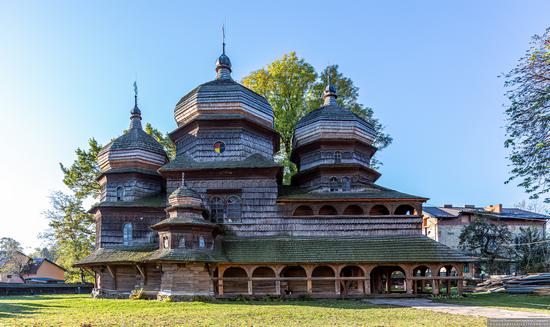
(367,286)
(409,286)
(460,286)
(448,287)
(435,287)
(309,285)
(249,286)
(221,270)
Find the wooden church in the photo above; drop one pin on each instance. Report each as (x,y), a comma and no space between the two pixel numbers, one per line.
(216,220)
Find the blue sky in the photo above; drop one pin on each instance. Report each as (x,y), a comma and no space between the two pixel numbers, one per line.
(428,68)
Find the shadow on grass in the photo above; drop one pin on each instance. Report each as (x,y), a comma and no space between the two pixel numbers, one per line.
(352,304)
(14,306)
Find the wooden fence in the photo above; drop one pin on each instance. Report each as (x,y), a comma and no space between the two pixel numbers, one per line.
(7,289)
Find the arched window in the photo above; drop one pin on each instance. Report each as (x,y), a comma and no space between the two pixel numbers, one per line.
(333,184)
(327,210)
(233,209)
(181,244)
(379,210)
(303,211)
(216,209)
(202,244)
(127,234)
(337,157)
(353,210)
(120,193)
(165,242)
(404,209)
(346,184)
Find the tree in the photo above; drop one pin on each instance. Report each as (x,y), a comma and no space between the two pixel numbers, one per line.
(12,260)
(81,176)
(163,139)
(528,118)
(531,251)
(488,241)
(44,252)
(285,83)
(72,230)
(293,89)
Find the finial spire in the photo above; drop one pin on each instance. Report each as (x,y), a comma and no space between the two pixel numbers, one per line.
(330,92)
(135,114)
(223,64)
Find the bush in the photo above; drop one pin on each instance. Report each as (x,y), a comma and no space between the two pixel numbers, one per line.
(138,294)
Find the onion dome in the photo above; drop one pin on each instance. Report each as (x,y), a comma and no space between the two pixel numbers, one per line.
(135,149)
(223,98)
(332,122)
(185,196)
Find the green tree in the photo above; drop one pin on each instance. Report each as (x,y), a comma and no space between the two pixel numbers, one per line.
(531,251)
(163,139)
(44,252)
(72,231)
(488,241)
(528,118)
(81,176)
(12,259)
(285,83)
(293,88)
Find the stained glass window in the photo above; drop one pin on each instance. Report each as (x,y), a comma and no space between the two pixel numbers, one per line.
(219,147)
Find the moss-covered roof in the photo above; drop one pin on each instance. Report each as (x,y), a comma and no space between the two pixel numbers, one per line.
(185,162)
(187,255)
(373,191)
(175,221)
(334,249)
(157,201)
(118,255)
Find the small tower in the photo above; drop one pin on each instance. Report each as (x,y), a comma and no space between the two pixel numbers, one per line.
(185,228)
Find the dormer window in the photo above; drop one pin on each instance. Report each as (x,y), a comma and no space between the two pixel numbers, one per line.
(127,234)
(337,157)
(202,244)
(333,184)
(120,193)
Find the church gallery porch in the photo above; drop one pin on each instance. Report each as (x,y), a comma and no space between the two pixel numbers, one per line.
(337,280)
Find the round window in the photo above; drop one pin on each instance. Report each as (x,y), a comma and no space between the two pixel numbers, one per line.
(219,147)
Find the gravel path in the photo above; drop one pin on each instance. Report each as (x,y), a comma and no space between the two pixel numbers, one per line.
(426,304)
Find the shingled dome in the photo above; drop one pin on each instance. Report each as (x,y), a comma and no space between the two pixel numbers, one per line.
(134,149)
(223,98)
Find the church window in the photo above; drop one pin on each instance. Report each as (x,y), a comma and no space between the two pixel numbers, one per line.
(127,234)
(165,242)
(233,209)
(217,209)
(346,184)
(201,242)
(337,157)
(219,147)
(181,244)
(120,193)
(333,184)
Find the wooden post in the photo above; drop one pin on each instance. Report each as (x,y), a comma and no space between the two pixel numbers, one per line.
(460,286)
(309,285)
(409,286)
(249,286)
(112,272)
(435,287)
(367,286)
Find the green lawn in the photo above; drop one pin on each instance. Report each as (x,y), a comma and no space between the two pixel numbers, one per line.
(533,303)
(74,310)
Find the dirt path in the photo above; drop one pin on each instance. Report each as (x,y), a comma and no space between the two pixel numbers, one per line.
(426,304)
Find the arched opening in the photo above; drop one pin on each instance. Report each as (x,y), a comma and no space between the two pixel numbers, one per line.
(423,283)
(181,243)
(353,210)
(379,210)
(448,285)
(233,209)
(294,280)
(165,242)
(333,184)
(217,211)
(388,279)
(352,280)
(303,211)
(405,210)
(346,184)
(235,281)
(127,234)
(202,243)
(120,193)
(263,286)
(322,280)
(327,211)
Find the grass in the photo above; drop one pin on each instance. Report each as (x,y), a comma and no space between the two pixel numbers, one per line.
(76,310)
(532,303)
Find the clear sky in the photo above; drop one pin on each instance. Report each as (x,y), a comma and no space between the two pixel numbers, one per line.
(428,68)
